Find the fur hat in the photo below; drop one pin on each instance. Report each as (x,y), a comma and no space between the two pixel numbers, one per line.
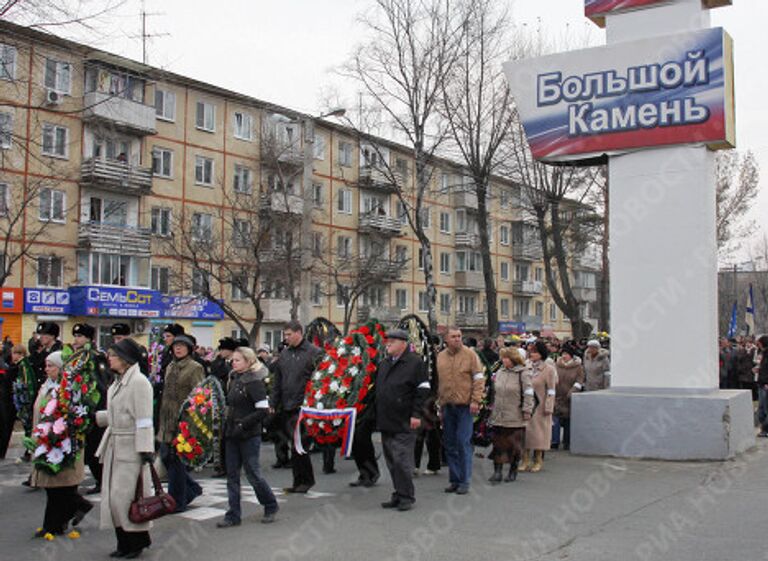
(174,329)
(85,330)
(47,328)
(120,329)
(128,350)
(227,344)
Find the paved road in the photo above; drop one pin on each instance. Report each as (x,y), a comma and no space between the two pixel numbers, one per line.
(578,508)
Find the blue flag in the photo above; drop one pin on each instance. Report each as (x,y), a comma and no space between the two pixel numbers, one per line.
(750,312)
(733,325)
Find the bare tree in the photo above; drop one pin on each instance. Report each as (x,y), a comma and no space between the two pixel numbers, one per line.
(477,107)
(737,183)
(46,14)
(413,49)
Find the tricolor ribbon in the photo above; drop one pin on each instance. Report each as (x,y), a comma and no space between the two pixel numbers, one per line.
(348,417)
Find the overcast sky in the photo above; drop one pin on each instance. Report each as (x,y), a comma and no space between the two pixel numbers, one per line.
(285,51)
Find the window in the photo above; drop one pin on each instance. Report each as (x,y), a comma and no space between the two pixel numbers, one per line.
(160,279)
(317,244)
(203,170)
(445,303)
(467,304)
(522,308)
(505,307)
(445,222)
(111,269)
(401,214)
(165,105)
(345,201)
(3,200)
(318,147)
(445,263)
(423,302)
(401,298)
(112,212)
(540,309)
(202,227)
(7,62)
(344,247)
(401,254)
(401,167)
(52,205)
(316,294)
(200,282)
(58,76)
(469,261)
(539,274)
(243,126)
(345,154)
(521,272)
(342,295)
(162,162)
(241,233)
(317,194)
(552,312)
(49,271)
(426,217)
(205,116)
(160,223)
(421,259)
(504,198)
(243,182)
(6,130)
(239,286)
(461,221)
(504,271)
(55,140)
(445,183)
(504,235)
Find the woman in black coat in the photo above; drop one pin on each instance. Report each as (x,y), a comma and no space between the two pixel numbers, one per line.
(247,406)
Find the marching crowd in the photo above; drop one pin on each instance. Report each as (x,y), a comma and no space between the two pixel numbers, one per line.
(411,403)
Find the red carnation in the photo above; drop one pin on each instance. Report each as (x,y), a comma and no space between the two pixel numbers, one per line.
(311,401)
(357,359)
(308,387)
(362,393)
(370,368)
(84,388)
(78,421)
(328,428)
(341,404)
(372,352)
(324,390)
(333,353)
(364,330)
(347,381)
(369,339)
(349,340)
(78,378)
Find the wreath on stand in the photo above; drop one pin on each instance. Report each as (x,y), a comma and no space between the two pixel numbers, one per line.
(482,431)
(335,394)
(198,438)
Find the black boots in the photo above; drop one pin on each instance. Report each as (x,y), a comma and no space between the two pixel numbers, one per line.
(496,477)
(512,475)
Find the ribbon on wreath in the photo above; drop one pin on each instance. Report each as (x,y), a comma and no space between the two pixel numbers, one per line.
(347,416)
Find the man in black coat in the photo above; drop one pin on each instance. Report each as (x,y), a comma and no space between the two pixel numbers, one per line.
(762,386)
(220,368)
(292,370)
(47,342)
(401,388)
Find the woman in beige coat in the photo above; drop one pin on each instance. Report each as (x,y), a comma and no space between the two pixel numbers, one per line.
(63,503)
(127,445)
(538,435)
(512,408)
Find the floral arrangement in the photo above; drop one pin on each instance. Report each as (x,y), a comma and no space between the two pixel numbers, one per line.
(482,431)
(156,348)
(59,436)
(24,392)
(197,441)
(341,381)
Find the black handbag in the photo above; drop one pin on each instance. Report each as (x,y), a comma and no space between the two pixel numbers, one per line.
(143,509)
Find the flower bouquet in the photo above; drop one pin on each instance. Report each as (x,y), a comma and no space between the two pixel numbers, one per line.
(197,441)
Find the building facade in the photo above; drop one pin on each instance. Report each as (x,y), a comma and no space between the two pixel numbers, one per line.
(129,190)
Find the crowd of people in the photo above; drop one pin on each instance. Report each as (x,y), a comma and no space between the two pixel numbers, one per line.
(522,386)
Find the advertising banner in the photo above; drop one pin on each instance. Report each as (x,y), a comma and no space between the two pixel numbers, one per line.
(12,301)
(598,9)
(114,302)
(584,104)
(190,308)
(46,301)
(507,327)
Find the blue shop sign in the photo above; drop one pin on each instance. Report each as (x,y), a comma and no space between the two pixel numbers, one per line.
(46,301)
(188,307)
(511,327)
(115,302)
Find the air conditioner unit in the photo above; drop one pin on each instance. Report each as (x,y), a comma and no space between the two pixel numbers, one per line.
(52,97)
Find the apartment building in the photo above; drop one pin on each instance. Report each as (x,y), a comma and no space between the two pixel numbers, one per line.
(114,176)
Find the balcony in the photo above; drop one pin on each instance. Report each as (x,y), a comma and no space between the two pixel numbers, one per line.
(465,197)
(376,180)
(104,238)
(122,113)
(284,203)
(471,241)
(380,224)
(528,288)
(278,257)
(470,280)
(274,152)
(385,314)
(584,294)
(471,320)
(119,177)
(384,269)
(276,309)
(529,250)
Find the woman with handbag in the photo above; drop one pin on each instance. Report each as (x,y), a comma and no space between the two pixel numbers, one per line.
(63,503)
(127,446)
(512,408)
(538,435)
(247,406)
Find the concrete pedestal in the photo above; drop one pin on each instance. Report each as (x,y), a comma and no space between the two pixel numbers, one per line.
(663,424)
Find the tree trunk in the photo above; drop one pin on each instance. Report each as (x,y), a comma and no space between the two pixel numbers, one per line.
(492,325)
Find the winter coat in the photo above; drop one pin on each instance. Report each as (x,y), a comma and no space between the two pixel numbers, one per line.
(762,371)
(181,377)
(292,370)
(401,388)
(570,378)
(538,434)
(595,370)
(38,356)
(513,396)
(128,419)
(461,377)
(220,368)
(742,366)
(247,403)
(67,477)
